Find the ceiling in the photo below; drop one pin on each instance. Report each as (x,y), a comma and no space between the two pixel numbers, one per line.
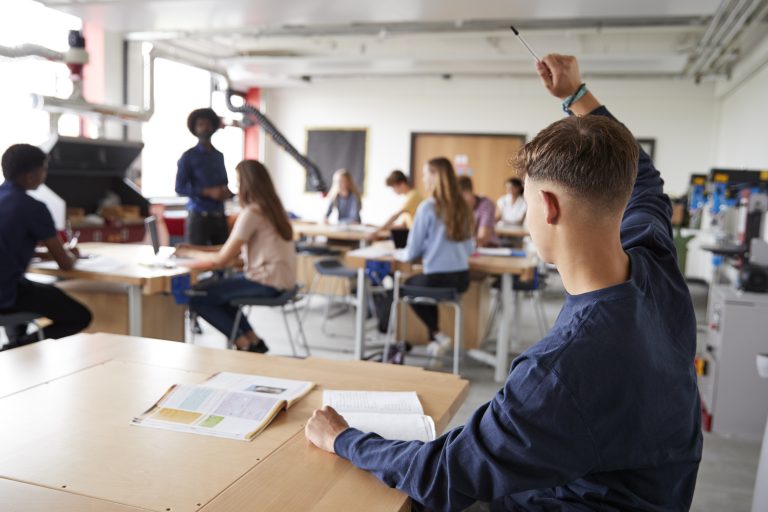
(279,42)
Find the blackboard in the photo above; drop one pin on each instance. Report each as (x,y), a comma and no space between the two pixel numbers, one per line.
(332,149)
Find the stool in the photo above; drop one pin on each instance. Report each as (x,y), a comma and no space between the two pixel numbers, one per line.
(14,319)
(534,287)
(281,301)
(432,296)
(328,267)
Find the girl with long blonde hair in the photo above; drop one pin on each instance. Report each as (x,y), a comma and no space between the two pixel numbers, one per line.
(262,234)
(442,237)
(345,198)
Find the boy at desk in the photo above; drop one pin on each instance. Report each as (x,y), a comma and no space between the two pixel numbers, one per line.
(603,413)
(24,222)
(399,183)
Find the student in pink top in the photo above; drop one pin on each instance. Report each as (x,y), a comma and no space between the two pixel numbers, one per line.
(263,236)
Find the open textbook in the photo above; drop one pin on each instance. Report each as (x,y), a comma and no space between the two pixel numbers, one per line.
(392,415)
(232,405)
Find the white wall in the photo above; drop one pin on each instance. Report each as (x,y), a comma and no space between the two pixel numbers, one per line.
(742,128)
(678,114)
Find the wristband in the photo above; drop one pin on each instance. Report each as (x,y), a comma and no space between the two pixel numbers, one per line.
(573,98)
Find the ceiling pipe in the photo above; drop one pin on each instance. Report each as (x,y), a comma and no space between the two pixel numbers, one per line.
(731,35)
(716,42)
(128,113)
(31,50)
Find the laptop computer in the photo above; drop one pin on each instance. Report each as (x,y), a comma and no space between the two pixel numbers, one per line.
(163,255)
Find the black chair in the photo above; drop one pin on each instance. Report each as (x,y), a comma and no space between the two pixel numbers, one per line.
(427,295)
(281,301)
(15,319)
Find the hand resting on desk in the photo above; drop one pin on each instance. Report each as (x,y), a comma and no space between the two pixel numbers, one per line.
(324,427)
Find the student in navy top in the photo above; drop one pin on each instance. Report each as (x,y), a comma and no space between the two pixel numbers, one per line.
(441,237)
(24,222)
(202,177)
(345,198)
(603,413)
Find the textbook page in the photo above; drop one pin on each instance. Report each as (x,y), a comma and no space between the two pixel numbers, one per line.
(212,411)
(281,389)
(392,415)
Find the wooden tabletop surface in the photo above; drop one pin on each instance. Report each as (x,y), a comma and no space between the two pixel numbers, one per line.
(67,406)
(116,263)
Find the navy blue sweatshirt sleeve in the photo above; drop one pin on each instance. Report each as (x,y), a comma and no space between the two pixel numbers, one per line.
(647,218)
(531,435)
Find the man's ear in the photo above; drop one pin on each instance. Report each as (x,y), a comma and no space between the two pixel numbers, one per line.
(551,206)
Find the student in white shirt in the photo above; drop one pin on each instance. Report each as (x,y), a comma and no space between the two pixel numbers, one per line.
(511,206)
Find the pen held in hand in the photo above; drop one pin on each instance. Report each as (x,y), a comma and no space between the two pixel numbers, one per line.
(522,40)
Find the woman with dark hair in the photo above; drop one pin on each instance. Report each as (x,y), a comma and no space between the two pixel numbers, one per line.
(511,207)
(264,237)
(442,237)
(202,177)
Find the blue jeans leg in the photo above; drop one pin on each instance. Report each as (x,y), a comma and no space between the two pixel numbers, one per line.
(214,306)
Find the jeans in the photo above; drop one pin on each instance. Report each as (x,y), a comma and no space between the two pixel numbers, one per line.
(428,314)
(214,295)
(206,228)
(68,316)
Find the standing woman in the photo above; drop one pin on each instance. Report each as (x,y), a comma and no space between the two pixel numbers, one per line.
(264,235)
(442,237)
(345,198)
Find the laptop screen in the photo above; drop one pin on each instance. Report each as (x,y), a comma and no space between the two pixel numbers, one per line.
(151,225)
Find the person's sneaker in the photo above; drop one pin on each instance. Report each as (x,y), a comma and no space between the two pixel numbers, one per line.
(259,347)
(437,348)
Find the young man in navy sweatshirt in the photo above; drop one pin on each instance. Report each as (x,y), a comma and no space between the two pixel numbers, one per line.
(603,413)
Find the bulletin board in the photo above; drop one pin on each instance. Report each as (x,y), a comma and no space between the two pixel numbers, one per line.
(486,158)
(334,148)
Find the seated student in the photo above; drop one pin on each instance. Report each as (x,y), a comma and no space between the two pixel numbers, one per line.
(24,222)
(483,211)
(264,233)
(603,413)
(344,198)
(441,236)
(511,207)
(399,183)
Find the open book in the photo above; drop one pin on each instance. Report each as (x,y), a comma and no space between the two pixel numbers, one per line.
(392,415)
(232,405)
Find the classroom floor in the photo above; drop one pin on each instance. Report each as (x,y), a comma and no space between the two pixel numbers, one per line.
(727,473)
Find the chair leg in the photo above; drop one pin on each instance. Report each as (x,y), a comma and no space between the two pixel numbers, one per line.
(458,335)
(393,314)
(301,333)
(288,330)
(191,326)
(40,334)
(233,335)
(495,308)
(310,294)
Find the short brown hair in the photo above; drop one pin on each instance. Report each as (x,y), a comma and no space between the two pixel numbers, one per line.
(396,177)
(464,183)
(592,156)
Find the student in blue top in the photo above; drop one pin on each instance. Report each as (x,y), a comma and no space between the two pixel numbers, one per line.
(603,413)
(25,222)
(202,177)
(345,198)
(441,236)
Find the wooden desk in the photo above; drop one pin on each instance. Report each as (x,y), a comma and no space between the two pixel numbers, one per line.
(345,232)
(504,266)
(511,231)
(73,445)
(150,310)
